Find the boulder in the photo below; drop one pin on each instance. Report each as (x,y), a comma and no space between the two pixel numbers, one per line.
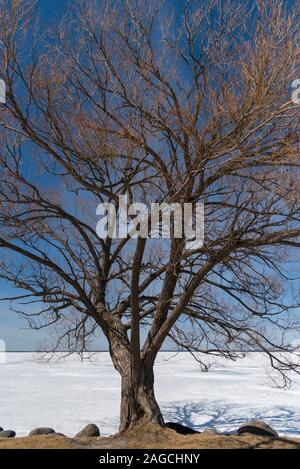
(88,431)
(41,431)
(181,429)
(1,429)
(210,431)
(256,427)
(56,434)
(7,434)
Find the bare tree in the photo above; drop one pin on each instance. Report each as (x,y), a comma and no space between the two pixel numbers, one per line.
(125,97)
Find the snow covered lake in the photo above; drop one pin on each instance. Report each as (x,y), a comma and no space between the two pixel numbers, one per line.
(69,394)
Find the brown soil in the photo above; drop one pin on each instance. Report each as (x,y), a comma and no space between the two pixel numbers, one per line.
(152,437)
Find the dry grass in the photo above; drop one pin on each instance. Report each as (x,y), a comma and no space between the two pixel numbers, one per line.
(43,442)
(152,437)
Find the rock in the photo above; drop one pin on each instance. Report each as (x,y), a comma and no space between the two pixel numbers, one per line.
(256,427)
(41,431)
(1,429)
(181,429)
(88,431)
(7,434)
(56,434)
(210,431)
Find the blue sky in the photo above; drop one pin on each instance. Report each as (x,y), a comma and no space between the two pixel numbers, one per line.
(13,329)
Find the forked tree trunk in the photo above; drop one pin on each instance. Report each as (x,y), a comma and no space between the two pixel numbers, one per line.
(138,402)
(137,397)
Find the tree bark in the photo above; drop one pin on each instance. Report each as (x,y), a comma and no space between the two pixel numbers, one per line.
(138,400)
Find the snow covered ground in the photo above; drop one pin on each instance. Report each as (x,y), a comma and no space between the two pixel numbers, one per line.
(67,395)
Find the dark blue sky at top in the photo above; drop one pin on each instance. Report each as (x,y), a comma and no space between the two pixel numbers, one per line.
(13,329)
(52,8)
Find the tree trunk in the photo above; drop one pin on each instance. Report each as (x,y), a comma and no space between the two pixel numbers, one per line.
(137,397)
(138,400)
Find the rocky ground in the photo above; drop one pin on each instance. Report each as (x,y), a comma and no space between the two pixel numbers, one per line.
(153,437)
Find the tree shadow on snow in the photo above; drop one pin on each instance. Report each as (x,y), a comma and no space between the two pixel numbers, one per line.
(227,418)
